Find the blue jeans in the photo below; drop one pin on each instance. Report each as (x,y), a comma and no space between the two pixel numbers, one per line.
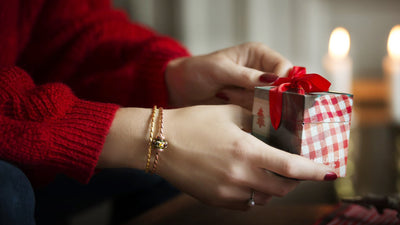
(17,201)
(131,191)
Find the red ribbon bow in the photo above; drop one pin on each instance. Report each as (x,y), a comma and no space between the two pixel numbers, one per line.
(297,81)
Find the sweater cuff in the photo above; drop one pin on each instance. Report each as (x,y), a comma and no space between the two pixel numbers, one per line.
(78,138)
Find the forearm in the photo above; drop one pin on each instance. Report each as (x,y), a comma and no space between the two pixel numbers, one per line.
(127,142)
(99,53)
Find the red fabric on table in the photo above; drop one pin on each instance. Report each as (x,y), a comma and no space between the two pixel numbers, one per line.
(358,215)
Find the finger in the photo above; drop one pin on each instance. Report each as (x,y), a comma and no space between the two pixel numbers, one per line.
(265,182)
(233,197)
(276,185)
(261,198)
(241,76)
(290,165)
(282,68)
(237,96)
(264,58)
(240,196)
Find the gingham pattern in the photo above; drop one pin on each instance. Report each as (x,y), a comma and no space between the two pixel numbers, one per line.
(329,108)
(326,131)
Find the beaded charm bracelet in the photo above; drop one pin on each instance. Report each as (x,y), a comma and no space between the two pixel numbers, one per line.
(159,143)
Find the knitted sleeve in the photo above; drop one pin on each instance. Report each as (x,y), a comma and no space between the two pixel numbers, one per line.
(78,58)
(99,53)
(46,130)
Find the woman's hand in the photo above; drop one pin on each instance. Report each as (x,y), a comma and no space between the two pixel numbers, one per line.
(210,155)
(225,76)
(211,158)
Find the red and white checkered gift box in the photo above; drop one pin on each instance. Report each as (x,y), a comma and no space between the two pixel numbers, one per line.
(325,138)
(314,125)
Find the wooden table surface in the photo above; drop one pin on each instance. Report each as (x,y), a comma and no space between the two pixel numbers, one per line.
(186,210)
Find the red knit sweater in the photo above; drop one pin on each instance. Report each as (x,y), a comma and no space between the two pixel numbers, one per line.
(65,68)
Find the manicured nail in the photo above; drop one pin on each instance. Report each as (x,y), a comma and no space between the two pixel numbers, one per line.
(330,176)
(268,77)
(222,96)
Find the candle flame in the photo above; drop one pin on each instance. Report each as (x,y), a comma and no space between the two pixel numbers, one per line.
(393,45)
(339,43)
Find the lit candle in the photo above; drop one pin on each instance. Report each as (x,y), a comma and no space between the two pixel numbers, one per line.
(337,63)
(391,68)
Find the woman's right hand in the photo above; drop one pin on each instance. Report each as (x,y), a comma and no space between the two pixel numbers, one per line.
(212,157)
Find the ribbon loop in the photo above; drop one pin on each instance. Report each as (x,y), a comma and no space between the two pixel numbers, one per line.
(300,82)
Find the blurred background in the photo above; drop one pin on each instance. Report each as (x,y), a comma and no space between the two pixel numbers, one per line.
(301,30)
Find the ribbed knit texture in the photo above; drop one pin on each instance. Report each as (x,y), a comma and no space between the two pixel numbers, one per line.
(65,68)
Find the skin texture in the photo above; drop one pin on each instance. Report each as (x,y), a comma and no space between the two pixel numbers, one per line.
(233,71)
(210,155)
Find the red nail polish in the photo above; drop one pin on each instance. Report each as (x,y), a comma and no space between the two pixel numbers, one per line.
(222,96)
(268,77)
(330,176)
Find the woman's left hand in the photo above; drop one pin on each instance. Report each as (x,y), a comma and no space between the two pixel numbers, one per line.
(225,76)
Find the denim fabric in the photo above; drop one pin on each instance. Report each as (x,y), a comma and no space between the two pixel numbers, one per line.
(17,200)
(131,191)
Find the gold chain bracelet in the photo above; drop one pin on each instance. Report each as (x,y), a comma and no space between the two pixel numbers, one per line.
(151,128)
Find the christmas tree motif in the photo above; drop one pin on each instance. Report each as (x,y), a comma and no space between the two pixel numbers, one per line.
(260,119)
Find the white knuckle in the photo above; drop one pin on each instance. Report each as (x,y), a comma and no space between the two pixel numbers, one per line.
(239,150)
(237,177)
(226,193)
(220,193)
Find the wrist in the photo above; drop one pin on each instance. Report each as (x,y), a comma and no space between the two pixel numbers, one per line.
(126,143)
(174,81)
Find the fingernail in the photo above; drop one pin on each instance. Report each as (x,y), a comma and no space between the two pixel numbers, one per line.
(268,77)
(222,96)
(330,176)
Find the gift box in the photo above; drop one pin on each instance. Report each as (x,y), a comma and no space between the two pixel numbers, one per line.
(293,117)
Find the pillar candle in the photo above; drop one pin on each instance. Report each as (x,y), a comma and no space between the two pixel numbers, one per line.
(391,68)
(337,62)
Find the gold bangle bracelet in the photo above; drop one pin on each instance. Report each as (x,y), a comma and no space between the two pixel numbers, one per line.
(151,128)
(159,143)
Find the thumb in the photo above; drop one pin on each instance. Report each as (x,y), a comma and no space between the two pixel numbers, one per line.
(282,68)
(291,165)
